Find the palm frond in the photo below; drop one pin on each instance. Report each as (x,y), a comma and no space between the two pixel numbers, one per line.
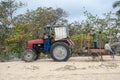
(116,4)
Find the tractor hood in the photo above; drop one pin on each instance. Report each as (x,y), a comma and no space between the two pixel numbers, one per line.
(31,42)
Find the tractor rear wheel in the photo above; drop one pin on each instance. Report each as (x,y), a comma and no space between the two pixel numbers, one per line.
(29,56)
(60,51)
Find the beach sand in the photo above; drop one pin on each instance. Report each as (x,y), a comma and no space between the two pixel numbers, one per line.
(76,68)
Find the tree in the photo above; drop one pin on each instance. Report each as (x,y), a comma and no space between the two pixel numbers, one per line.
(41,17)
(7,10)
(117,4)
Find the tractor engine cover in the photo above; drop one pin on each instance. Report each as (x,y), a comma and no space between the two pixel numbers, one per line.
(33,42)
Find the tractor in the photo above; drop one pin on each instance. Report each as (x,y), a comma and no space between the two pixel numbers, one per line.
(60,45)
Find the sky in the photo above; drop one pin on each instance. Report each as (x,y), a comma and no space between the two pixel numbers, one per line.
(74,8)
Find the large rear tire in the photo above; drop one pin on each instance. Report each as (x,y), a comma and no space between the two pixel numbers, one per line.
(60,51)
(29,56)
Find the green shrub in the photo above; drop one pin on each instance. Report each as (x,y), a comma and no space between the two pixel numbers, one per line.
(14,51)
(81,41)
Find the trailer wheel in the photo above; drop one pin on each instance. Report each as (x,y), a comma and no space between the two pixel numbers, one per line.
(29,56)
(60,51)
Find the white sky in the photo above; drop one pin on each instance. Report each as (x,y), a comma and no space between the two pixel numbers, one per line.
(73,7)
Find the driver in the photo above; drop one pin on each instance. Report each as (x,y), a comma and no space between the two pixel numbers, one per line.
(46,42)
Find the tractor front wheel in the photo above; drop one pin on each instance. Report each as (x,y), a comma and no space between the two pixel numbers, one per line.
(60,51)
(29,55)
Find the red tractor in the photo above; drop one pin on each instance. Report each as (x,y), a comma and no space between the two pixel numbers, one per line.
(60,47)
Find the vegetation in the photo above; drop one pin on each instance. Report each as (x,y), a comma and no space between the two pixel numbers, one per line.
(117,4)
(15,31)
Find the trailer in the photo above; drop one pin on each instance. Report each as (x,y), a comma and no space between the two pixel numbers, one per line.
(93,54)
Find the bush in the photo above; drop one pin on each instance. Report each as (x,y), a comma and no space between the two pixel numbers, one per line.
(81,41)
(14,51)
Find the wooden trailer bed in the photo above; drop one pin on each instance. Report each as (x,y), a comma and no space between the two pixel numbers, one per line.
(97,54)
(98,51)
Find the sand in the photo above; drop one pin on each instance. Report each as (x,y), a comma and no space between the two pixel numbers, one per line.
(76,68)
